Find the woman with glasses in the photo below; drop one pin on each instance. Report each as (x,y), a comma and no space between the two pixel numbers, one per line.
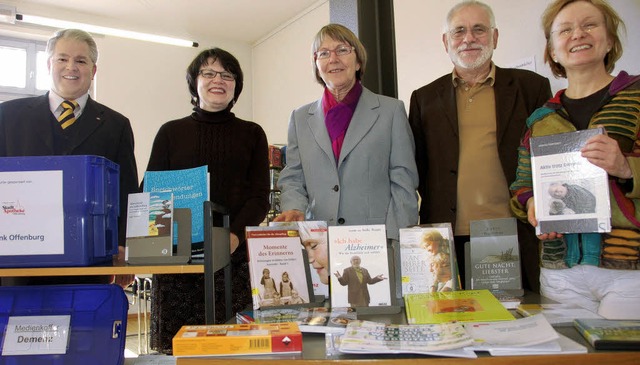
(236,153)
(350,154)
(583,46)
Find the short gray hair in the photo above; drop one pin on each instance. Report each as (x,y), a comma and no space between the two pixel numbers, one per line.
(467,3)
(75,34)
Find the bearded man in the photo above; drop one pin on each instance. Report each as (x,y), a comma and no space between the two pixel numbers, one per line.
(467,127)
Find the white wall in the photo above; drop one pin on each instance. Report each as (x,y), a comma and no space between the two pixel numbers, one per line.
(282,72)
(146,81)
(422,58)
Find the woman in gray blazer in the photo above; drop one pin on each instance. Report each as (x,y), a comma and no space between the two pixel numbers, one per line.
(350,154)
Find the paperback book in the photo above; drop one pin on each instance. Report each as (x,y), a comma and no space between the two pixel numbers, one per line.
(149,225)
(571,195)
(604,334)
(314,238)
(360,265)
(190,188)
(428,259)
(237,339)
(494,256)
(456,306)
(278,267)
(150,214)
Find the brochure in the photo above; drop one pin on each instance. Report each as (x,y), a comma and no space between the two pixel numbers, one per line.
(372,337)
(557,314)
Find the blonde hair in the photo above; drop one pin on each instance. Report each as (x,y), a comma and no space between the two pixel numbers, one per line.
(612,22)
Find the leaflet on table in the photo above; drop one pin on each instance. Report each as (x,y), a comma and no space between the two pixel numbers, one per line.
(32,213)
(325,320)
(556,313)
(372,337)
(359,266)
(494,256)
(313,319)
(190,188)
(513,335)
(571,194)
(428,259)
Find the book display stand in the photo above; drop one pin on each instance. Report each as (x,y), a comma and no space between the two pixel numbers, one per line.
(217,255)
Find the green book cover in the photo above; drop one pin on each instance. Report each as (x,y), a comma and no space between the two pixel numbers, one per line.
(460,306)
(605,334)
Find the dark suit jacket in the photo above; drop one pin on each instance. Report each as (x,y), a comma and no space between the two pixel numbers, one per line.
(358,292)
(434,121)
(26,129)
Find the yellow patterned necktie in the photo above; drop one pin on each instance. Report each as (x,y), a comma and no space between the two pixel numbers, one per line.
(67,117)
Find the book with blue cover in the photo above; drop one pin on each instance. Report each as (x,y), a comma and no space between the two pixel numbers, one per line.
(190,188)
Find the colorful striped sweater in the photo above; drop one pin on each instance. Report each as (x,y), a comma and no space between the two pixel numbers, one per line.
(619,115)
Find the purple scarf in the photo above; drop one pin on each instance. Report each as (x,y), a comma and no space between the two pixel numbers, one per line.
(337,115)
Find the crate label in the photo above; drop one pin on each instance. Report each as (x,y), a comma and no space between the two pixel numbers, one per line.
(32,213)
(36,335)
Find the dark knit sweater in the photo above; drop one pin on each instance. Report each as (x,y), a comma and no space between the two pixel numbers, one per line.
(236,152)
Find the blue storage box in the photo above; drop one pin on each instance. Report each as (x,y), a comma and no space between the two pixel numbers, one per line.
(65,324)
(89,204)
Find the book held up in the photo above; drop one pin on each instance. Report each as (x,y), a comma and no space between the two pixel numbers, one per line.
(571,194)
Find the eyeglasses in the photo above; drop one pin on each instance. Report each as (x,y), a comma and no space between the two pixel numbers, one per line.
(210,74)
(478,31)
(566,31)
(326,53)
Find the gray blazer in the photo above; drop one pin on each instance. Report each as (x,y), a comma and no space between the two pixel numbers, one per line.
(375,179)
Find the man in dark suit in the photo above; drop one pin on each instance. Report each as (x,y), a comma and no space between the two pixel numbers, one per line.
(358,279)
(31,126)
(467,127)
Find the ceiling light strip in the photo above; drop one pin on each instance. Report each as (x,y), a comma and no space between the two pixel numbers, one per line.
(63,24)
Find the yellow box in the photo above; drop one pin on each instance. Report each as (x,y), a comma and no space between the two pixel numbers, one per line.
(238,339)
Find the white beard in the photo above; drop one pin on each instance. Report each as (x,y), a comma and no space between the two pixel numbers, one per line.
(485,55)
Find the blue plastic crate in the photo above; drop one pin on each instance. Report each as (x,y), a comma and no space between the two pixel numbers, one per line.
(97,317)
(90,189)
